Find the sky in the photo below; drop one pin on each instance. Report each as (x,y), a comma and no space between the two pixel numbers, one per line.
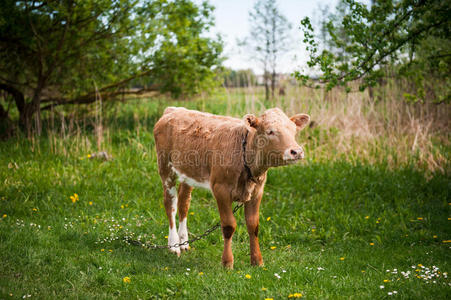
(232,23)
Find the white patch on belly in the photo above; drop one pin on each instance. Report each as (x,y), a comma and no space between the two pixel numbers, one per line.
(183,234)
(190,181)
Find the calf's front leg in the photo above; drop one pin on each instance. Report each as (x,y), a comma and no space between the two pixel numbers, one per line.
(228,222)
(251,212)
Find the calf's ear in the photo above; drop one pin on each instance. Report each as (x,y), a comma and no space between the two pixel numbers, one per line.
(301,120)
(251,121)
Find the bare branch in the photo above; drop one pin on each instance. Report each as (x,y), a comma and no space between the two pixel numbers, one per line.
(90,98)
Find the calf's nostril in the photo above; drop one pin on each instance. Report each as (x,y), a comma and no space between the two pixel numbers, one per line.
(293,152)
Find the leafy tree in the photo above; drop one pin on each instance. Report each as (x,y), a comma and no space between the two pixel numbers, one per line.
(268,39)
(74,51)
(412,36)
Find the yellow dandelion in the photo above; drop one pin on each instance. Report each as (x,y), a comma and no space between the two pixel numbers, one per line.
(102,250)
(88,156)
(122,206)
(313,229)
(273,247)
(35,209)
(269,298)
(420,219)
(201,273)
(165,236)
(110,250)
(264,289)
(192,213)
(371,244)
(434,236)
(248,276)
(386,280)
(420,265)
(74,198)
(449,219)
(342,258)
(363,271)
(4,216)
(268,218)
(377,221)
(90,202)
(367,217)
(446,241)
(295,295)
(126,279)
(417,270)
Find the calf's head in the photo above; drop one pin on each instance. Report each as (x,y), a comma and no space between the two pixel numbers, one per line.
(274,141)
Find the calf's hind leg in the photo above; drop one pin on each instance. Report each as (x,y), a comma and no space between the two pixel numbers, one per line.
(184,199)
(170,204)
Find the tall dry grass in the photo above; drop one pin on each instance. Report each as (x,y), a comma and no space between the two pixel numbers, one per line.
(351,126)
(355,126)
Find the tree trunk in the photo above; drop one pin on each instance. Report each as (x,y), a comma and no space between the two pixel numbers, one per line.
(22,106)
(6,125)
(273,83)
(265,78)
(26,118)
(26,110)
(29,111)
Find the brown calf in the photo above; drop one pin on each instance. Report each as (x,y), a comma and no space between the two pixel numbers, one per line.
(230,157)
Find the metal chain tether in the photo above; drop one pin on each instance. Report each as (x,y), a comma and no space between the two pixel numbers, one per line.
(154,246)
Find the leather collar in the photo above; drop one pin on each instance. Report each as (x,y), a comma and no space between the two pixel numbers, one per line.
(246,166)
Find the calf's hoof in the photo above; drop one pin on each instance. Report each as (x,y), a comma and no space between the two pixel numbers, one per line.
(228,265)
(183,236)
(175,250)
(174,239)
(184,247)
(257,262)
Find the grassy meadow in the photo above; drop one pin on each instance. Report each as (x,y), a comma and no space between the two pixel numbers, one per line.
(365,216)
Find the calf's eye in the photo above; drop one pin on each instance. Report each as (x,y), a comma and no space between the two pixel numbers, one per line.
(270,132)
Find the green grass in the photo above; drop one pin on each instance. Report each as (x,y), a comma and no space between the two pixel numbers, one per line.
(319,211)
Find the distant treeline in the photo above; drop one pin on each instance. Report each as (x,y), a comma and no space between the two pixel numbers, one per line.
(238,78)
